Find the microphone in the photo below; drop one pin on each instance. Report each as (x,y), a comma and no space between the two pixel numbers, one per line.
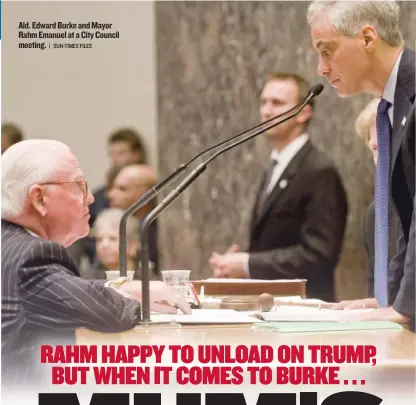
(188,180)
(155,190)
(316,90)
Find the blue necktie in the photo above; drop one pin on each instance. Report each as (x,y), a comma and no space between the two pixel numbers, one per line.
(381,236)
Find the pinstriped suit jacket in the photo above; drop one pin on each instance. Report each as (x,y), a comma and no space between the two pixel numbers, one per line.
(43,300)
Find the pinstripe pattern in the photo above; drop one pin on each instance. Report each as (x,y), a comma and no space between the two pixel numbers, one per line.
(44,300)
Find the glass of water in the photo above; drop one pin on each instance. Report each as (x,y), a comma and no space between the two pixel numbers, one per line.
(177,279)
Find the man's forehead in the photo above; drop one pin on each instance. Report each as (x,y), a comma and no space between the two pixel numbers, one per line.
(322,31)
(70,168)
(279,88)
(125,177)
(119,145)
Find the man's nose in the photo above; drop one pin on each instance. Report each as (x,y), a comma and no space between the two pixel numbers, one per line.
(266,111)
(323,68)
(90,198)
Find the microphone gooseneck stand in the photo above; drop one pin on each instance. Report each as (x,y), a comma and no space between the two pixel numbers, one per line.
(188,180)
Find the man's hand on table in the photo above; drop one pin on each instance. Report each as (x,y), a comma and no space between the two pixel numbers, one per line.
(356,304)
(162,297)
(377,314)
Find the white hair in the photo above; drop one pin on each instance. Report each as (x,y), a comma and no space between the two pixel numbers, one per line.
(348,17)
(112,216)
(23,165)
(366,119)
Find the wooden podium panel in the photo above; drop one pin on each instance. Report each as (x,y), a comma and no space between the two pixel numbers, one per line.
(241,287)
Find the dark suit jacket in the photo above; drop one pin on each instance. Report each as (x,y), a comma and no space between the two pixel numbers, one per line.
(403,187)
(43,300)
(300,231)
(369,226)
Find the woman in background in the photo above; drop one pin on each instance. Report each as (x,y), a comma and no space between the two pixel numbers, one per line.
(106,234)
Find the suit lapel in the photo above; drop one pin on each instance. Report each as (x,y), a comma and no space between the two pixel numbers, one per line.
(282,186)
(403,98)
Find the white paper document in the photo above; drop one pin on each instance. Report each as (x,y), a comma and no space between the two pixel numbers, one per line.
(207,316)
(307,314)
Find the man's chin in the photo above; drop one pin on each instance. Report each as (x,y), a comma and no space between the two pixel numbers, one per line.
(271,134)
(344,93)
(85,232)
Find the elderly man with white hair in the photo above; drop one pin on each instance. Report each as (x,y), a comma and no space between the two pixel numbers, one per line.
(361,50)
(44,209)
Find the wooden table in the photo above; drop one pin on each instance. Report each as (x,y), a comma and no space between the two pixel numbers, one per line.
(395,347)
(392,377)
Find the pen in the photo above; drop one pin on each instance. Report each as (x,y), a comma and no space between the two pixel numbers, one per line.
(258,315)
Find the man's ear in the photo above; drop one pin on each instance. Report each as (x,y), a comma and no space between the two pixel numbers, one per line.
(36,199)
(369,34)
(305,115)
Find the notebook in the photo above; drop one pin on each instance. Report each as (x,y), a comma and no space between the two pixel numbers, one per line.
(308,314)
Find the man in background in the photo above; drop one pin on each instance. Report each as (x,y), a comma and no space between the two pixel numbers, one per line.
(299,218)
(361,50)
(130,184)
(10,134)
(125,147)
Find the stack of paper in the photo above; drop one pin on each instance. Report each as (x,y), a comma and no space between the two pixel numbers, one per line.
(207,316)
(281,319)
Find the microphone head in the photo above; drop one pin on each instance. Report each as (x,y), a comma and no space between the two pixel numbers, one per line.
(317,89)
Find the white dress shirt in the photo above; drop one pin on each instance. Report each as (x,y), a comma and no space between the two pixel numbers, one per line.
(390,88)
(32,233)
(283,157)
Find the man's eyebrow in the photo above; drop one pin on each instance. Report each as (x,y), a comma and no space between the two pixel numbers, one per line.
(320,44)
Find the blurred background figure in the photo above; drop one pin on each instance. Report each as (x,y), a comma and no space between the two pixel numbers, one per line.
(10,134)
(129,185)
(299,217)
(106,235)
(365,126)
(125,147)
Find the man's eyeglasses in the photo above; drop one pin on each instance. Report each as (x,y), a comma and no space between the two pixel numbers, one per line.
(83,185)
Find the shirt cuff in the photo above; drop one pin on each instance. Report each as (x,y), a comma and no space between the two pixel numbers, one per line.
(246,266)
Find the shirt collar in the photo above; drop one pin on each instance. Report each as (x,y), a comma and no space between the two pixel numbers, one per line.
(289,150)
(32,233)
(390,88)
